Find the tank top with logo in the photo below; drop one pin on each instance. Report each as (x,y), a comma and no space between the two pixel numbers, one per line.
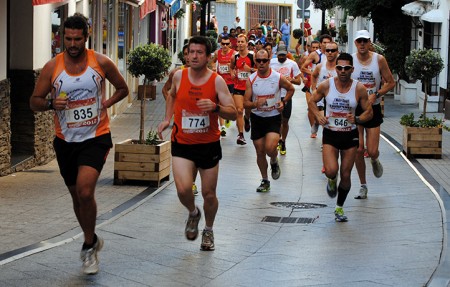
(241,75)
(368,75)
(191,125)
(267,88)
(84,117)
(338,106)
(223,66)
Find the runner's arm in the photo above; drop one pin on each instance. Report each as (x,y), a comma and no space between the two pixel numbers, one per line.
(115,78)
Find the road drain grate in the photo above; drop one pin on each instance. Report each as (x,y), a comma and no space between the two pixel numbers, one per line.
(278,219)
(298,205)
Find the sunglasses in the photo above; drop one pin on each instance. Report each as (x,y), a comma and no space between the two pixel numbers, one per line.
(362,40)
(262,61)
(331,50)
(344,68)
(226,44)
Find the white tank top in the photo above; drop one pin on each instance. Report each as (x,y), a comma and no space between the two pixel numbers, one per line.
(269,89)
(325,74)
(369,75)
(338,106)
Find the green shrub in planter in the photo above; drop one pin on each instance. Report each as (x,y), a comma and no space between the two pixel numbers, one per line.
(151,61)
(424,65)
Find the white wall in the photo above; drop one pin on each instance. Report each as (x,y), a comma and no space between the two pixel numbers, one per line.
(3,39)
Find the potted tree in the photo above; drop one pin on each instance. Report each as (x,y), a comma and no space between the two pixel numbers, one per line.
(424,135)
(144,159)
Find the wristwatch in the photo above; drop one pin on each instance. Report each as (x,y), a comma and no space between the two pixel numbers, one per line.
(377,95)
(216,109)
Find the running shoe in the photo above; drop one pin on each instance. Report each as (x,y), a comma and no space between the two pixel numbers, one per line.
(223,132)
(90,258)
(191,230)
(207,240)
(362,193)
(241,140)
(377,168)
(279,144)
(227,124)
(339,215)
(313,136)
(247,124)
(276,171)
(283,148)
(194,189)
(366,154)
(331,187)
(264,186)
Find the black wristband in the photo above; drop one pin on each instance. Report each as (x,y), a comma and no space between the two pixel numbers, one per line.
(50,104)
(357,120)
(216,109)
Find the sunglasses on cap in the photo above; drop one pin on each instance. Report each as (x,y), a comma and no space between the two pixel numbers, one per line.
(262,61)
(344,68)
(362,40)
(331,50)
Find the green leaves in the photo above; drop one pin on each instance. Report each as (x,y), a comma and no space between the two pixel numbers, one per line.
(423,64)
(152,138)
(423,122)
(150,60)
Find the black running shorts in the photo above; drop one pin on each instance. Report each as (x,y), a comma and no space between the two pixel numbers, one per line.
(239,92)
(377,118)
(287,110)
(70,156)
(204,156)
(341,140)
(264,125)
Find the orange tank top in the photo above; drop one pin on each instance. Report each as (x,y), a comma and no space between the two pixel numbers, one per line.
(84,118)
(191,125)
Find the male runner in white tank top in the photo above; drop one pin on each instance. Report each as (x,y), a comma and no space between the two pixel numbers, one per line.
(370,69)
(340,134)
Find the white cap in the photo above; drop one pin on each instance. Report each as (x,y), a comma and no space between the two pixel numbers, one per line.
(251,42)
(362,34)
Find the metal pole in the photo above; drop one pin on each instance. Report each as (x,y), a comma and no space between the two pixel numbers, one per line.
(303,26)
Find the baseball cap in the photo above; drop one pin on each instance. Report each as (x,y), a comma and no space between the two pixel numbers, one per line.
(251,42)
(282,50)
(258,42)
(362,34)
(274,30)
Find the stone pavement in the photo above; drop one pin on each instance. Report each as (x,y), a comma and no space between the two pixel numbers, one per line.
(397,237)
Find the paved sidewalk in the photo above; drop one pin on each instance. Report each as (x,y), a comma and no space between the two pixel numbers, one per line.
(394,238)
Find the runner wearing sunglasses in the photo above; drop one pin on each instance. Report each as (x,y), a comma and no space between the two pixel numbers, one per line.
(372,70)
(340,134)
(263,97)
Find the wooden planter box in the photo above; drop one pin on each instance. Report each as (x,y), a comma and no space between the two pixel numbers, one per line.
(422,142)
(141,162)
(150,92)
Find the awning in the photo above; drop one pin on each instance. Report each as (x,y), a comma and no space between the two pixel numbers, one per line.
(41,2)
(147,7)
(135,3)
(415,9)
(433,16)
